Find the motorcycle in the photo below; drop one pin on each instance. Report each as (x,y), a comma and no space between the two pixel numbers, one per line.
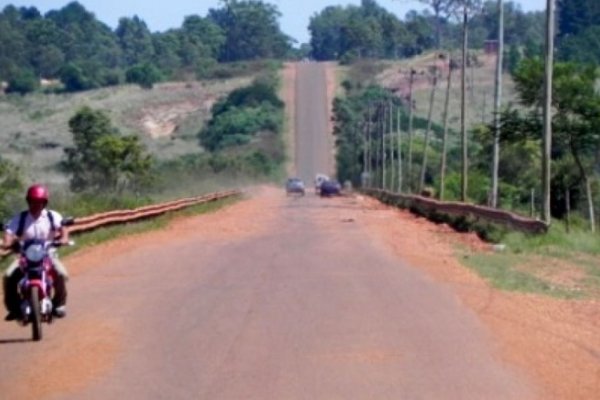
(36,286)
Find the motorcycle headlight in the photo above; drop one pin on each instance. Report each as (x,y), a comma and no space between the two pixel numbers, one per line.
(35,253)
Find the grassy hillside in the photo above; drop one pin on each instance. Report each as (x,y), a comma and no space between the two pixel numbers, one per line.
(394,75)
(34,128)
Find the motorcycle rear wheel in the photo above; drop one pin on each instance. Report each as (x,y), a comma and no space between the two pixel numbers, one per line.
(36,316)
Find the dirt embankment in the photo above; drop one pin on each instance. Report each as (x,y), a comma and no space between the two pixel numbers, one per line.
(557,341)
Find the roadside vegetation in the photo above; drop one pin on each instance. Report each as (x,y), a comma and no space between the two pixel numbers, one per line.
(560,264)
(397,127)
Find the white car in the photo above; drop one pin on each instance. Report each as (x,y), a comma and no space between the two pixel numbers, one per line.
(294,185)
(319,179)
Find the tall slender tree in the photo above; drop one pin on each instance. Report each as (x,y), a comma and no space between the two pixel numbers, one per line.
(428,131)
(445,135)
(440,9)
(466,8)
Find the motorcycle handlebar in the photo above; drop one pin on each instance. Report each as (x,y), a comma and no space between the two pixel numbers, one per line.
(60,244)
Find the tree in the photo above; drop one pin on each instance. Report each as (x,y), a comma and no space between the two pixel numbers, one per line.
(48,60)
(84,39)
(325,29)
(575,119)
(439,7)
(13,43)
(167,48)
(583,47)
(145,75)
(575,16)
(101,158)
(136,41)
(251,30)
(205,34)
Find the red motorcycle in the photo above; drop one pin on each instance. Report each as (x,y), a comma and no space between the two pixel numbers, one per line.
(36,287)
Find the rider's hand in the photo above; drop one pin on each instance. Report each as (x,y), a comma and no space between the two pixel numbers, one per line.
(5,250)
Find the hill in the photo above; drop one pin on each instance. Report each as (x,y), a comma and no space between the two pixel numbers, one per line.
(34,128)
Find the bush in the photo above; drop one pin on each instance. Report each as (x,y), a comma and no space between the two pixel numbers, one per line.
(242,115)
(24,82)
(145,75)
(74,79)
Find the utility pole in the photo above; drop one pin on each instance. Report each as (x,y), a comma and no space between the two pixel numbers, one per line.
(383,147)
(547,141)
(497,104)
(365,146)
(410,130)
(463,110)
(392,154)
(377,148)
(368,147)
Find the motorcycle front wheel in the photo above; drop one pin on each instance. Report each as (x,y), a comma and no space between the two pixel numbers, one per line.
(36,316)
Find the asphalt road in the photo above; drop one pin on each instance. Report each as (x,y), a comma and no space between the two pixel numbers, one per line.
(273,298)
(313,144)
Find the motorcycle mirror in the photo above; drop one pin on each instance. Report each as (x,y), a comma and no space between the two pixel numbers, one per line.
(68,221)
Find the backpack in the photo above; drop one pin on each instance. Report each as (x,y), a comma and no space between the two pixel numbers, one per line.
(22,218)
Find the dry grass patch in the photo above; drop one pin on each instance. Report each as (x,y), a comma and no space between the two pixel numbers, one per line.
(34,128)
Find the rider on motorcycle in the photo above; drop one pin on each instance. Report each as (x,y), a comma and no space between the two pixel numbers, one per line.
(37,222)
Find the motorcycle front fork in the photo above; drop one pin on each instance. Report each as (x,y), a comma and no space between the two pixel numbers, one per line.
(45,308)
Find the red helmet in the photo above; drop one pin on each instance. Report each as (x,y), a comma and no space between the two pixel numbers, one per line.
(37,192)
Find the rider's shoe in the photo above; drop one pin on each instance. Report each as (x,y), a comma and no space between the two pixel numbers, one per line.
(11,316)
(60,311)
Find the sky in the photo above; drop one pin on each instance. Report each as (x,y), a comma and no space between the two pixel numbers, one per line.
(163,15)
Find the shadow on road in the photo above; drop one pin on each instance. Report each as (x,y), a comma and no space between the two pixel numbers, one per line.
(13,341)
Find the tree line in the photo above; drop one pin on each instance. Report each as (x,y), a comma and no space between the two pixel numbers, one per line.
(70,44)
(370,31)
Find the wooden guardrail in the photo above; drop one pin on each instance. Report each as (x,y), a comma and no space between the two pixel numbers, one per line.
(91,222)
(88,223)
(426,204)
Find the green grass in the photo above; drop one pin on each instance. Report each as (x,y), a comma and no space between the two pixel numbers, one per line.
(557,242)
(500,270)
(519,266)
(101,235)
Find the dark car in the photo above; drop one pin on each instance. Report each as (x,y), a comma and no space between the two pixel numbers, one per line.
(294,185)
(330,187)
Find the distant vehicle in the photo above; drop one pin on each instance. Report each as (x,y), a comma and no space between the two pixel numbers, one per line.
(330,187)
(294,185)
(319,179)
